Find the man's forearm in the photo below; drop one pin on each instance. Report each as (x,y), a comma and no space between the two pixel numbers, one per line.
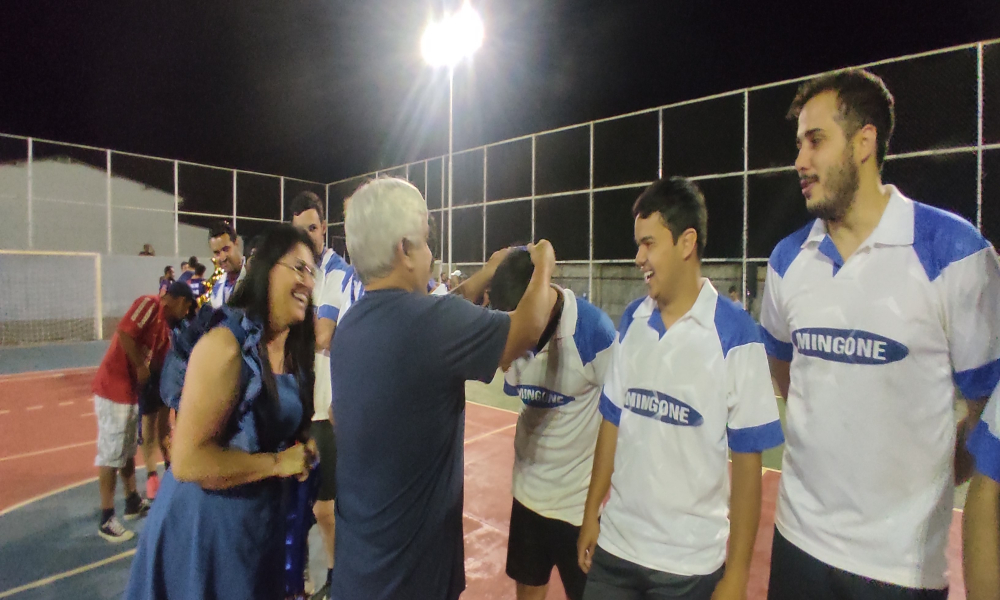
(604,467)
(744,513)
(131,350)
(981,539)
(473,288)
(964,463)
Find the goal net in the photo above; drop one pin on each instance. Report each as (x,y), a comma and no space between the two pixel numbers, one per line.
(49,297)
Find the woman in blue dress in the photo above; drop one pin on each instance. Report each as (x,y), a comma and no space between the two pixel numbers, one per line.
(217,527)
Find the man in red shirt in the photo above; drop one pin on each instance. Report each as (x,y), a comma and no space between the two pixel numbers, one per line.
(139,344)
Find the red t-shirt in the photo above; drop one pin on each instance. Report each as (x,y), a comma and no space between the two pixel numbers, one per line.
(144,323)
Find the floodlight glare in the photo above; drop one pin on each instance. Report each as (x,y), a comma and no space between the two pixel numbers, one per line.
(453,38)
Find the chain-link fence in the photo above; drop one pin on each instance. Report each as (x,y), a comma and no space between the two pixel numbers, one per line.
(575,185)
(72,198)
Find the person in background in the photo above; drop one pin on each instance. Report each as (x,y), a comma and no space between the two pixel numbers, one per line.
(308,215)
(250,247)
(398,370)
(154,414)
(217,527)
(197,281)
(559,381)
(137,349)
(734,294)
(187,269)
(166,279)
(873,314)
(228,255)
(455,279)
(688,387)
(147,250)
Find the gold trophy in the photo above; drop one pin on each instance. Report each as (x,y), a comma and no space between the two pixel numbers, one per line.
(217,275)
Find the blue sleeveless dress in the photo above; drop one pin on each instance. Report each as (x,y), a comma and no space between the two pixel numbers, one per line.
(205,544)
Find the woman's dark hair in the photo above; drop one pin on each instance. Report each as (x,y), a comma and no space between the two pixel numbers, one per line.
(252,294)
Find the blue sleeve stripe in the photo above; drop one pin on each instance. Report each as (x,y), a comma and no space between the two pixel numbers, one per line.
(734,326)
(328,312)
(756,439)
(985,447)
(979,382)
(627,316)
(510,390)
(609,411)
(594,331)
(775,347)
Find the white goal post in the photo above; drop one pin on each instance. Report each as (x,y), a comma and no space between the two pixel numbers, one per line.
(49,297)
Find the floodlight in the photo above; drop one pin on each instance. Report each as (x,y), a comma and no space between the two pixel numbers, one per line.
(455,37)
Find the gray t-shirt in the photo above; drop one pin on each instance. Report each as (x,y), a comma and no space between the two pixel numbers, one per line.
(399,363)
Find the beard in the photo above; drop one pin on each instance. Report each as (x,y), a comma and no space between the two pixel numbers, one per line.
(840,186)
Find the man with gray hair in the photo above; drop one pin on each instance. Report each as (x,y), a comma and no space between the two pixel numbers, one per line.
(399,363)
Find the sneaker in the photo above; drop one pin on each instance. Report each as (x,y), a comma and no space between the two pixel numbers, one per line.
(113,531)
(136,509)
(152,486)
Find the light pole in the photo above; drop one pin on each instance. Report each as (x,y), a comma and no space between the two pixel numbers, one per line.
(444,44)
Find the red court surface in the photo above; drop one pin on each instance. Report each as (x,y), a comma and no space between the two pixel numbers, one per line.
(47,433)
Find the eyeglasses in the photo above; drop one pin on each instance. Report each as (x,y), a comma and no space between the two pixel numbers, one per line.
(302,270)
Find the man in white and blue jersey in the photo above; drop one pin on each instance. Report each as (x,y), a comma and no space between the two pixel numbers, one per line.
(227,253)
(688,383)
(560,383)
(309,215)
(873,314)
(981,525)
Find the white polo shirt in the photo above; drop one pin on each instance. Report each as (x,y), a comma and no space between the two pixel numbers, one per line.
(877,345)
(222,290)
(678,396)
(557,428)
(327,302)
(351,291)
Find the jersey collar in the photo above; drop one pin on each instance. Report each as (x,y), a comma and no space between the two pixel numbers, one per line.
(895,228)
(702,311)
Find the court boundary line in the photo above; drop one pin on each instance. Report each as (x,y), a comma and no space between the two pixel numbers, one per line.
(46,451)
(66,574)
(65,488)
(488,434)
(506,410)
(45,374)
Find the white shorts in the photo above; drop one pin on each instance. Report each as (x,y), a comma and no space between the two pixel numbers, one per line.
(117,432)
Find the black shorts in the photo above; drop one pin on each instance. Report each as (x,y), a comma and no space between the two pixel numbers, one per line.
(539,543)
(150,401)
(614,578)
(322,433)
(795,574)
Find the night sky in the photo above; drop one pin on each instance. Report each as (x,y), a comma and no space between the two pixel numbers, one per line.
(324,89)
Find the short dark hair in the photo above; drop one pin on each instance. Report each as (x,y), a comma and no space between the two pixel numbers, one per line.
(733,290)
(192,261)
(199,270)
(511,280)
(307,200)
(863,100)
(220,228)
(680,204)
(184,263)
(167,269)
